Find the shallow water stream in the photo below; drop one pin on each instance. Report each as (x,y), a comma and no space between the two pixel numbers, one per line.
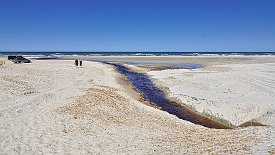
(152,94)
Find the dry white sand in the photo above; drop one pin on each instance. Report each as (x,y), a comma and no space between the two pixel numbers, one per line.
(2,62)
(53,107)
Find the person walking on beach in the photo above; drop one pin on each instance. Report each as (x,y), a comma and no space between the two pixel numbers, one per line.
(76,62)
(80,62)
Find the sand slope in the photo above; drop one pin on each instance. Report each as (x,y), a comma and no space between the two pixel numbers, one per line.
(235,92)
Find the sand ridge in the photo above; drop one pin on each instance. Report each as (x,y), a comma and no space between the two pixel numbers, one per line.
(239,93)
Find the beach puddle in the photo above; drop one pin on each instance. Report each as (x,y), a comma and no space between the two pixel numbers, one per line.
(155,96)
(157,66)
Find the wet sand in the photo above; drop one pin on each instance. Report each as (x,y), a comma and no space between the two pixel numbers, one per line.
(203,60)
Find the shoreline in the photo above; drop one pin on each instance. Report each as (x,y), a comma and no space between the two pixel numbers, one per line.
(203,60)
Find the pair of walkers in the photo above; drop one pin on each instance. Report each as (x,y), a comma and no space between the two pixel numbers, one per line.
(76,62)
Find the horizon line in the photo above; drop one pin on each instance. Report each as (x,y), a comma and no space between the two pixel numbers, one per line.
(144,51)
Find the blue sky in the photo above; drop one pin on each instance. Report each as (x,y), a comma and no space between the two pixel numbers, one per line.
(137,25)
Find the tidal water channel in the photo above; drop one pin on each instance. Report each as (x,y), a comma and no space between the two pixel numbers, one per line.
(142,83)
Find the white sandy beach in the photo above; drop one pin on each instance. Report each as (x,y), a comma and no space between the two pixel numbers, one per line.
(53,107)
(238,92)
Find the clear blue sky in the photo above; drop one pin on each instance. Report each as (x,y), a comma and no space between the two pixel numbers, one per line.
(137,25)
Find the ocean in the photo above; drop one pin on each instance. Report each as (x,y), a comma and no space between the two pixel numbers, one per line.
(56,54)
